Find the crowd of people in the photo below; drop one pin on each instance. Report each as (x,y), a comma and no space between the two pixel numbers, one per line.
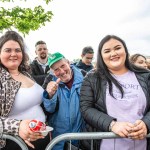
(111,96)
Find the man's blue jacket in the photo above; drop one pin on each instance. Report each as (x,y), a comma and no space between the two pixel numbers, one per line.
(64,107)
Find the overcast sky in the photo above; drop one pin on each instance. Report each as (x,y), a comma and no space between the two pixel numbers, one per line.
(80,23)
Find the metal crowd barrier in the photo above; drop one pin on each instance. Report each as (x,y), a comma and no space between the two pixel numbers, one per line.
(16,139)
(82,136)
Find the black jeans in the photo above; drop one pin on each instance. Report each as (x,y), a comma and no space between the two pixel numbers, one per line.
(39,144)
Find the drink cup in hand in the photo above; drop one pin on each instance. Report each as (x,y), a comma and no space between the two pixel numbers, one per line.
(36,125)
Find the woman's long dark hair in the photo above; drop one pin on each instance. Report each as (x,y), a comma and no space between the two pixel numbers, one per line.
(103,70)
(12,35)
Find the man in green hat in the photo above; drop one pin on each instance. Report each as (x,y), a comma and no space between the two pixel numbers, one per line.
(61,97)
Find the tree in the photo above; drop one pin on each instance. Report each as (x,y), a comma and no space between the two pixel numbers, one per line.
(24,19)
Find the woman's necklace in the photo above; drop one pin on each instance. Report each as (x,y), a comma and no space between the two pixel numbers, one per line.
(16,74)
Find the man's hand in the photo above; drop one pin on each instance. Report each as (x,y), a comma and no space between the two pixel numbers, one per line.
(52,87)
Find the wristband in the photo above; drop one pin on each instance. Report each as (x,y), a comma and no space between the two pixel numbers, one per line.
(111,125)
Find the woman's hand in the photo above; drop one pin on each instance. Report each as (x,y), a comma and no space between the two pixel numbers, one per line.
(139,131)
(122,128)
(27,135)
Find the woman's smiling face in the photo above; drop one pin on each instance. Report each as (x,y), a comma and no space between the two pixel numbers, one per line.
(11,55)
(114,56)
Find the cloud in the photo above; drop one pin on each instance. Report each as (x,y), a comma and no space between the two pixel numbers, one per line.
(80,23)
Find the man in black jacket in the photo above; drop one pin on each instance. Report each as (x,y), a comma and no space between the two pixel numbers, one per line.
(39,66)
(86,62)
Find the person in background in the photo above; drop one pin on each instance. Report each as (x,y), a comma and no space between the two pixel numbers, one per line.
(138,60)
(39,66)
(27,61)
(86,62)
(61,97)
(20,95)
(115,98)
(148,63)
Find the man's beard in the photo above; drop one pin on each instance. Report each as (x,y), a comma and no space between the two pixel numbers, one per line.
(43,56)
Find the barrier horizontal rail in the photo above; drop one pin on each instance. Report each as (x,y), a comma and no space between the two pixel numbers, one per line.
(83,136)
(16,139)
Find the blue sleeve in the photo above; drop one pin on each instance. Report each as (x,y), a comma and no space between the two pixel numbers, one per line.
(49,104)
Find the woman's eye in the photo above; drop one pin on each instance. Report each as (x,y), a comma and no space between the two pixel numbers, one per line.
(106,51)
(140,62)
(18,50)
(6,50)
(118,48)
